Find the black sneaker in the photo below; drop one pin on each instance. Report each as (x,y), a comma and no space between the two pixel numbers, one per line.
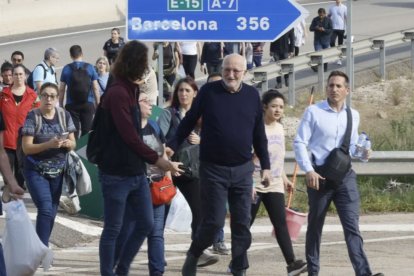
(378,274)
(296,268)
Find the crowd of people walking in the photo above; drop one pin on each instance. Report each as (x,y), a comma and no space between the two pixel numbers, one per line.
(232,135)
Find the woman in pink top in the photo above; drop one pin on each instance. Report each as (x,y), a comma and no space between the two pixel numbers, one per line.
(272,195)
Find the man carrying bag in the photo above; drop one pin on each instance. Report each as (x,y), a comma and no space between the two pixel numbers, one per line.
(328,130)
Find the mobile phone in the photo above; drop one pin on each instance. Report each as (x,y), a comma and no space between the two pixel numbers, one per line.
(64,135)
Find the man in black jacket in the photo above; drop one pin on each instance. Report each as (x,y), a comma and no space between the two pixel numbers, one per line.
(232,124)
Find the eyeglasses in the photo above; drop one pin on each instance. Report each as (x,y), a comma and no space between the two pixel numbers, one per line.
(235,71)
(147,101)
(47,96)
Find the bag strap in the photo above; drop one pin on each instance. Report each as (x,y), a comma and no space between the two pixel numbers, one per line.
(347,136)
(61,116)
(155,126)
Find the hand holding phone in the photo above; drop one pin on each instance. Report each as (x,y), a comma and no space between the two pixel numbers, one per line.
(64,136)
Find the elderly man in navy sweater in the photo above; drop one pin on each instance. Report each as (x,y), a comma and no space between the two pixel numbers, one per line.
(232,125)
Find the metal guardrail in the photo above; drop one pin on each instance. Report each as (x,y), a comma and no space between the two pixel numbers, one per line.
(263,74)
(391,163)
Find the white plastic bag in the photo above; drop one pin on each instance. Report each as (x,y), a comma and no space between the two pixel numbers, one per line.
(23,250)
(179,217)
(181,72)
(84,185)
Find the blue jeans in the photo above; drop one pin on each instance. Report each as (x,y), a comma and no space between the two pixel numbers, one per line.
(118,192)
(155,241)
(45,193)
(156,262)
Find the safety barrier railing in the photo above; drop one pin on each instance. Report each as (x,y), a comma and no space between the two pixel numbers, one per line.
(382,163)
(262,75)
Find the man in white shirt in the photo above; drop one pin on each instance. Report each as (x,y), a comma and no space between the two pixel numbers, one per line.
(338,14)
(321,130)
(45,71)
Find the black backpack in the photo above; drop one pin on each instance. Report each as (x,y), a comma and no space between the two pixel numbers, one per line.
(30,78)
(38,119)
(80,83)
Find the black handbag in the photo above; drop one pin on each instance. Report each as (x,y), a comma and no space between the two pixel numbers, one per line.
(338,162)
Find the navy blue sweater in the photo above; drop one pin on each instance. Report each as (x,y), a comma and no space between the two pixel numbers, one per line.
(231,124)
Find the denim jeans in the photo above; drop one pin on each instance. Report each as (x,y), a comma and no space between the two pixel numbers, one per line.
(45,193)
(118,193)
(156,262)
(155,241)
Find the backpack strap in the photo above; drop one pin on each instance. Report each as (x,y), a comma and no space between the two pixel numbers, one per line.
(155,126)
(38,120)
(61,116)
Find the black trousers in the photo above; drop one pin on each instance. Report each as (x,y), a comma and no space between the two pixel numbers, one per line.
(11,154)
(337,34)
(189,64)
(82,116)
(275,207)
(219,184)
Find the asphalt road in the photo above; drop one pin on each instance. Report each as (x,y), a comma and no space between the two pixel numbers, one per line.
(389,240)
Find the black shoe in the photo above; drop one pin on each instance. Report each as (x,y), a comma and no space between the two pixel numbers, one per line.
(378,274)
(296,268)
(190,265)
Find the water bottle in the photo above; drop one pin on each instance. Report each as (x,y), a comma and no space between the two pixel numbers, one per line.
(366,146)
(360,144)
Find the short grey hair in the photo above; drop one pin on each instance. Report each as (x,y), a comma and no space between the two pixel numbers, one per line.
(49,52)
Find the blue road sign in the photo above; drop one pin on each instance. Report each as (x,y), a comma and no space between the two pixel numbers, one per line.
(211,20)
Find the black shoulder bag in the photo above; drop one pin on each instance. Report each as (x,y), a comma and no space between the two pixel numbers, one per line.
(338,162)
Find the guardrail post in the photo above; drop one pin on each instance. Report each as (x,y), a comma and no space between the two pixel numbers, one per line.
(261,78)
(410,36)
(380,44)
(318,60)
(290,69)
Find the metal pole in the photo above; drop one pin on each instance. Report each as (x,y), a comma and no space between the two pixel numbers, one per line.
(382,62)
(292,98)
(321,76)
(160,75)
(350,54)
(412,56)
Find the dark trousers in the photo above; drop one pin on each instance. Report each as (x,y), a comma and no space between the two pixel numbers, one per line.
(345,196)
(275,207)
(337,34)
(189,64)
(218,184)
(191,192)
(14,165)
(213,68)
(278,57)
(82,116)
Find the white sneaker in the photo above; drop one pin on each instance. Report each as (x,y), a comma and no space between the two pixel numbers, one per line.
(207,259)
(339,62)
